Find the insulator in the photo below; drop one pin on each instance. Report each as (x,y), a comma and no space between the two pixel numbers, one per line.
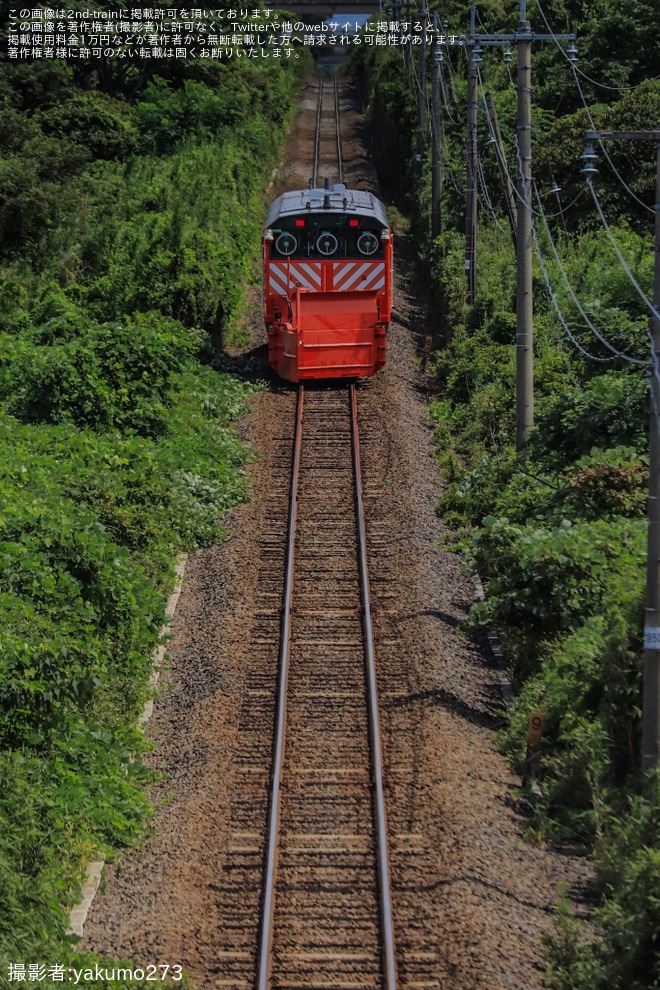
(589,155)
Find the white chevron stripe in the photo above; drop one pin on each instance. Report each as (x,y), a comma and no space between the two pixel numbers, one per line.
(354,276)
(367,275)
(278,281)
(298,278)
(345,276)
(375,273)
(314,272)
(309,276)
(339,270)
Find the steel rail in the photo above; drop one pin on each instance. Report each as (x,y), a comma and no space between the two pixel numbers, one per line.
(384,886)
(339,164)
(387,924)
(268,907)
(317,137)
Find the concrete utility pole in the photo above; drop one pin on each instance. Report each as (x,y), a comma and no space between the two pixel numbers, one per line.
(651,708)
(524,243)
(651,716)
(436,159)
(421,95)
(471,172)
(651,732)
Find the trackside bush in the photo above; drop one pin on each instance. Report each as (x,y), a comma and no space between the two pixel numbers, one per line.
(110,376)
(543,582)
(628,869)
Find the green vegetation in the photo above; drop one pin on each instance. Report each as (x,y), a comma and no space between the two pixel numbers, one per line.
(131,200)
(558,532)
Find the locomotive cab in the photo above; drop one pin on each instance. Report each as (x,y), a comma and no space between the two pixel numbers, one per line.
(327,262)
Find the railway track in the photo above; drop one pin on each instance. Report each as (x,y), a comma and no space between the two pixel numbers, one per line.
(306,891)
(327,918)
(327,138)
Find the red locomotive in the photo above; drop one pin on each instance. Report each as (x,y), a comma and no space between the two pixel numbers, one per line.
(327,267)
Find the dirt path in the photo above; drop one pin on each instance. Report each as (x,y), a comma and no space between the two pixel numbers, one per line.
(471,898)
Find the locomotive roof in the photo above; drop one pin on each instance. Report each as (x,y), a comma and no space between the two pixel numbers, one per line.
(357,201)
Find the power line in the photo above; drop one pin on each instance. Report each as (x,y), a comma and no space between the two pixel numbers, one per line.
(655,313)
(590,324)
(486,195)
(591,120)
(528,206)
(542,213)
(560,315)
(584,74)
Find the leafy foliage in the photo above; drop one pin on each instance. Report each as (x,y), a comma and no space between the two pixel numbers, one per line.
(629,874)
(130,206)
(110,376)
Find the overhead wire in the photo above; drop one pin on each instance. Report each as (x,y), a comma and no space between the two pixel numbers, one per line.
(546,279)
(544,273)
(486,195)
(594,329)
(623,182)
(653,366)
(555,303)
(576,68)
(542,213)
(514,185)
(443,90)
(493,140)
(651,306)
(417,88)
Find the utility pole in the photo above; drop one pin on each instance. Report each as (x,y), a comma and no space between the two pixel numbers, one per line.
(651,689)
(524,243)
(471,169)
(651,712)
(436,160)
(523,39)
(421,95)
